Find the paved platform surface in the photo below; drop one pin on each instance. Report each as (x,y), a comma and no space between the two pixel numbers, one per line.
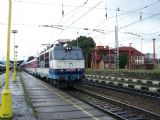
(53,104)
(46,103)
(21,111)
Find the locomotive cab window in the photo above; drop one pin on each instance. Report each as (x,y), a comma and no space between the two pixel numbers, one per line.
(68,53)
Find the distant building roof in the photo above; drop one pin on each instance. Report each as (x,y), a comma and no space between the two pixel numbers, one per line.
(126,49)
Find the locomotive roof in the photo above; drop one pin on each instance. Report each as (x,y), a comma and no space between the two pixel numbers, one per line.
(63,47)
(60,48)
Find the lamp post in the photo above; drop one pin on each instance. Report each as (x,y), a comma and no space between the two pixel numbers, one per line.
(77,37)
(130,56)
(15,46)
(154,57)
(15,53)
(6,101)
(142,58)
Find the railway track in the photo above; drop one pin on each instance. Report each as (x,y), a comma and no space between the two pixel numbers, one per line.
(118,109)
(137,89)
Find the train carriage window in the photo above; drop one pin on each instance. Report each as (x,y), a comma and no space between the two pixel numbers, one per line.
(47,60)
(51,56)
(42,57)
(38,62)
(41,61)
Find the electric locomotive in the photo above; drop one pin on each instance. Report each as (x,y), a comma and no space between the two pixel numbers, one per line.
(61,65)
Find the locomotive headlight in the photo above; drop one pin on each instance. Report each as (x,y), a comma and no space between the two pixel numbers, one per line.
(61,70)
(78,69)
(68,48)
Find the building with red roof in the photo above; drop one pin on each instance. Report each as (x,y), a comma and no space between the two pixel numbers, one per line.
(105,57)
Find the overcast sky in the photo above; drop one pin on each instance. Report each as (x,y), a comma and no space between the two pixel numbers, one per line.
(136,19)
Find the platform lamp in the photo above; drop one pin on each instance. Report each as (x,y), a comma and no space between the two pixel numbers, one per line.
(14,32)
(15,63)
(16,54)
(6,101)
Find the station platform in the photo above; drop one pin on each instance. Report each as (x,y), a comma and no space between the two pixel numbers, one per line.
(21,110)
(33,100)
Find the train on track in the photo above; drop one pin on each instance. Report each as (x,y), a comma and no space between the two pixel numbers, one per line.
(60,65)
(2,67)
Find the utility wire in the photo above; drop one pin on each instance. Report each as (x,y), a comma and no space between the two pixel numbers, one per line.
(126,12)
(53,4)
(66,27)
(138,21)
(80,17)
(76,10)
(128,25)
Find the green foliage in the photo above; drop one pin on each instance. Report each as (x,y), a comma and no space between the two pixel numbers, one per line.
(123,60)
(30,58)
(87,44)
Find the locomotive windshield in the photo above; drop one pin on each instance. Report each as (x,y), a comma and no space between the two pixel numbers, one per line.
(62,54)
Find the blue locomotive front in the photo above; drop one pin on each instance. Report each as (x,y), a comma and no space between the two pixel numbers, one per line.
(66,63)
(61,65)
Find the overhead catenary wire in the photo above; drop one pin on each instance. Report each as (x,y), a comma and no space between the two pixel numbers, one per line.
(130,24)
(146,6)
(66,27)
(75,12)
(80,17)
(139,21)
(126,12)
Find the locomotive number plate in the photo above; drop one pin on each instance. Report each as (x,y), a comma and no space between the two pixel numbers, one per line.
(70,70)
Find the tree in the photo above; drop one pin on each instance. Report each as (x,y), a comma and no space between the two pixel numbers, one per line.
(123,60)
(87,44)
(30,58)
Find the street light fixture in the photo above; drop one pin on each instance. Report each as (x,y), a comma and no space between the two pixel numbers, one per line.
(14,31)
